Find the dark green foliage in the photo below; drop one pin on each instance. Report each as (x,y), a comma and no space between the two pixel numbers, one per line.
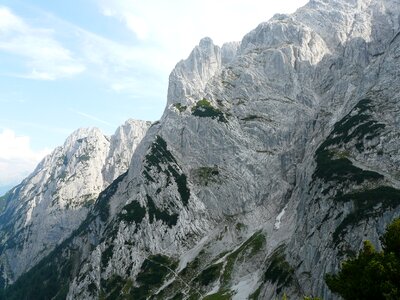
(106,255)
(83,157)
(221,295)
(206,175)
(112,287)
(256,294)
(133,212)
(180,107)
(340,169)
(203,108)
(92,288)
(178,296)
(255,117)
(391,239)
(64,160)
(147,176)
(50,278)
(279,270)
(249,247)
(160,155)
(152,274)
(89,203)
(371,275)
(366,205)
(101,205)
(48,282)
(190,267)
(156,214)
(140,293)
(251,118)
(239,226)
(155,268)
(184,191)
(355,126)
(333,166)
(210,274)
(178,286)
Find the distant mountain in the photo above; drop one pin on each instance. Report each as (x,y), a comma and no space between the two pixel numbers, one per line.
(52,202)
(274,159)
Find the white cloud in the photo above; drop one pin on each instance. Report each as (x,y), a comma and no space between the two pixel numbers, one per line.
(137,25)
(117,63)
(45,58)
(17,159)
(177,26)
(124,68)
(167,31)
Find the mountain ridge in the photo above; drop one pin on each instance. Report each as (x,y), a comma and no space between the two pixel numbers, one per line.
(51,202)
(263,173)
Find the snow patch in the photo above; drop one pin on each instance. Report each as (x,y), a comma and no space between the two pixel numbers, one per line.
(279,217)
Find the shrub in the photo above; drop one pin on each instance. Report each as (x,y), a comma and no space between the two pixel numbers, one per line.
(203,108)
(279,270)
(371,275)
(210,274)
(181,108)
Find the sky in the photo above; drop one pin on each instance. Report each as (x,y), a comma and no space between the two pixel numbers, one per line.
(96,63)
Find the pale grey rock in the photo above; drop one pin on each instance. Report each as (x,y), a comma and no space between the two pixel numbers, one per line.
(187,81)
(248,157)
(122,145)
(53,201)
(281,90)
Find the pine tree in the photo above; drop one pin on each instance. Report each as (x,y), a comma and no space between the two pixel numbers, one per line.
(371,275)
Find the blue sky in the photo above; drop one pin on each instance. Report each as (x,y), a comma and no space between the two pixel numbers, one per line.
(96,63)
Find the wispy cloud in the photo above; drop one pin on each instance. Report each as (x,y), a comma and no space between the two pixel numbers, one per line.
(45,58)
(125,68)
(94,118)
(63,49)
(177,27)
(17,159)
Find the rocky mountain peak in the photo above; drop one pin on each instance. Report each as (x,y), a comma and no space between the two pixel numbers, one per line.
(206,44)
(195,71)
(52,202)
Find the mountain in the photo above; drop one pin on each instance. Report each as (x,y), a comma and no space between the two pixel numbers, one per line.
(52,202)
(274,159)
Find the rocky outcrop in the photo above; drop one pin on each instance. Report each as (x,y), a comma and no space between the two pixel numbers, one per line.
(52,202)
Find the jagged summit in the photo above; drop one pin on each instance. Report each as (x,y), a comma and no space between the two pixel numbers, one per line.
(52,202)
(83,133)
(206,43)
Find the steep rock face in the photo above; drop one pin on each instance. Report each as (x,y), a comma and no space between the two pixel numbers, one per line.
(271,163)
(52,202)
(122,145)
(189,78)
